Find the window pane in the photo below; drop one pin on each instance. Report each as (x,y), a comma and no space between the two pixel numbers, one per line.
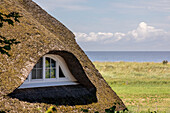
(47,62)
(33,73)
(39,63)
(52,63)
(47,73)
(39,74)
(53,71)
(61,74)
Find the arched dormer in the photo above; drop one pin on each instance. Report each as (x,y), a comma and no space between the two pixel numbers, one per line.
(50,70)
(57,78)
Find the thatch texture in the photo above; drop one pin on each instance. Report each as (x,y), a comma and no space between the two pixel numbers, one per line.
(40,34)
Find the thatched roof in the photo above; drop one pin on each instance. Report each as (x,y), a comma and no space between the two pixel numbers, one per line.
(40,34)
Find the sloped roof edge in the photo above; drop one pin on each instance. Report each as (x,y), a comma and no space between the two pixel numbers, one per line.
(46,19)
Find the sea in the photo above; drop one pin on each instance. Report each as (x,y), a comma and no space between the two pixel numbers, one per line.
(128,56)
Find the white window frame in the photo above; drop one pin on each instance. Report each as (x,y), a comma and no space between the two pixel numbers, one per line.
(58,81)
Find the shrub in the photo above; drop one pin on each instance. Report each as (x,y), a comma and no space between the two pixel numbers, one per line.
(165,62)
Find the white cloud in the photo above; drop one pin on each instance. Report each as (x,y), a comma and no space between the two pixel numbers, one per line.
(145,32)
(119,36)
(142,33)
(98,37)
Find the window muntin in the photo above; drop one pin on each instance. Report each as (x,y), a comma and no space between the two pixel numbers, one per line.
(37,70)
(50,68)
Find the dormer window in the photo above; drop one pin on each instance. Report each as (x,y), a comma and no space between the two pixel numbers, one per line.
(50,70)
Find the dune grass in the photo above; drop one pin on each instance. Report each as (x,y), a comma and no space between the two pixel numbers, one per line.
(143,87)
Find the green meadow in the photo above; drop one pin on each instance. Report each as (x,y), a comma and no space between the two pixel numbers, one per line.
(143,87)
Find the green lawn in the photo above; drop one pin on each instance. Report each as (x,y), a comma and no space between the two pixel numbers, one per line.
(143,87)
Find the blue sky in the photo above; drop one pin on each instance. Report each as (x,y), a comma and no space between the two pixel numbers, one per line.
(115,25)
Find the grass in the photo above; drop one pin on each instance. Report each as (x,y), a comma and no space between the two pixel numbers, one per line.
(143,87)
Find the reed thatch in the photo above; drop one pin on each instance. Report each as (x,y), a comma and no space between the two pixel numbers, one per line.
(40,34)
